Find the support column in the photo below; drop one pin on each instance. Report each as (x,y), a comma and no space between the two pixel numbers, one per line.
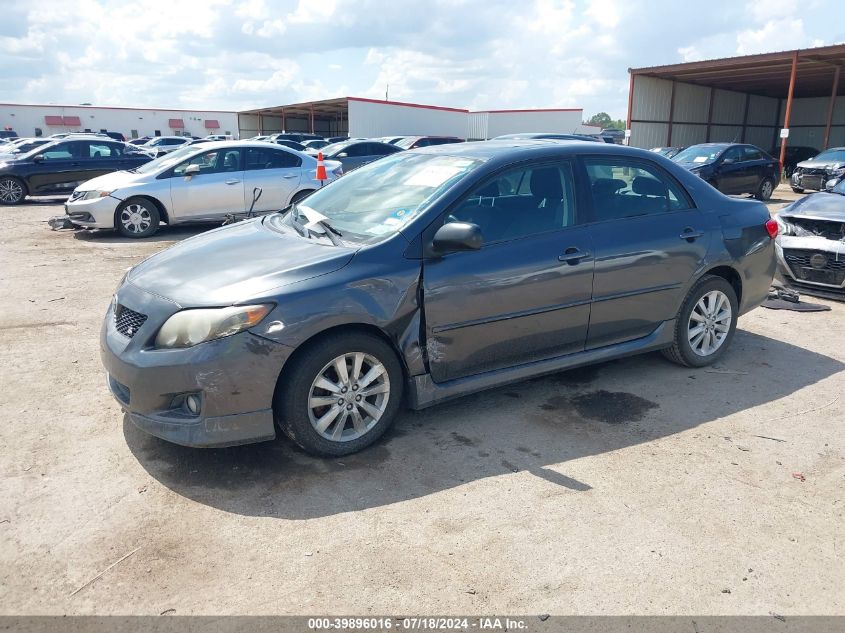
(671,116)
(745,116)
(788,105)
(284,127)
(630,104)
(710,113)
(312,119)
(260,124)
(830,108)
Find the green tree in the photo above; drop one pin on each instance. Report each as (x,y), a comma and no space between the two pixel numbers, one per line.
(602,119)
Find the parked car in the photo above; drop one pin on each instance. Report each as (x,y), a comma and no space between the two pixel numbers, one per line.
(355,153)
(413,142)
(315,144)
(198,183)
(552,136)
(299,147)
(217,137)
(820,170)
(425,276)
(811,243)
(668,152)
(20,146)
(616,135)
(161,145)
(391,140)
(337,139)
(140,141)
(732,168)
(794,155)
(299,137)
(57,167)
(8,135)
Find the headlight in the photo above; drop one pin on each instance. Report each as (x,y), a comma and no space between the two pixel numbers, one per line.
(191,327)
(91,195)
(836,172)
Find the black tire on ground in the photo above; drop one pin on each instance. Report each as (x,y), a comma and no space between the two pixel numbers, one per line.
(12,190)
(765,190)
(137,217)
(299,196)
(797,190)
(681,351)
(291,405)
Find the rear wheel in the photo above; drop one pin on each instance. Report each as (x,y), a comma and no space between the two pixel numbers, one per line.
(766,189)
(341,394)
(12,190)
(706,323)
(136,217)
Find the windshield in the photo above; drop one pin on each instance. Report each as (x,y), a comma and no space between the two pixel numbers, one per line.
(169,160)
(698,154)
(839,188)
(377,200)
(406,142)
(335,148)
(832,155)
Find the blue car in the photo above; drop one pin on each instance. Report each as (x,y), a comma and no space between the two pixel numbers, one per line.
(427,275)
(732,168)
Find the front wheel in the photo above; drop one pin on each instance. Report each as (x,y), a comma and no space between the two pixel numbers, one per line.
(136,217)
(705,324)
(12,190)
(765,191)
(341,394)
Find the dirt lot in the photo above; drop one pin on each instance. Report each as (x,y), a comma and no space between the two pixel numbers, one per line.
(631,487)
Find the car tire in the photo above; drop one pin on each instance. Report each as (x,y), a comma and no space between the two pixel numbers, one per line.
(299,196)
(797,190)
(12,190)
(765,190)
(321,412)
(137,218)
(691,347)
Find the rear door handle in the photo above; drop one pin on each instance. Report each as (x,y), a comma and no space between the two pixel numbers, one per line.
(573,256)
(232,182)
(690,234)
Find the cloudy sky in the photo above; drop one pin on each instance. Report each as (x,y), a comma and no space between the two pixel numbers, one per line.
(478,54)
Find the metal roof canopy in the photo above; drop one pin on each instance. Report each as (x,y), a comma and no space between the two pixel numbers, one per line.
(766,74)
(809,72)
(327,107)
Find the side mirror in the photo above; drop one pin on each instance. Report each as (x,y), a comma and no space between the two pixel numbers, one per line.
(38,158)
(192,170)
(457,236)
(728,161)
(343,155)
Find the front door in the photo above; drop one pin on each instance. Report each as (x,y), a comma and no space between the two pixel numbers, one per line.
(61,170)
(649,241)
(732,175)
(525,295)
(276,172)
(216,190)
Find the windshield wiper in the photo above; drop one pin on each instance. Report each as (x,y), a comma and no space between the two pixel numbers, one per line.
(315,218)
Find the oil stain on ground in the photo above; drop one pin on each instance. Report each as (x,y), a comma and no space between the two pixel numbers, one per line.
(612,407)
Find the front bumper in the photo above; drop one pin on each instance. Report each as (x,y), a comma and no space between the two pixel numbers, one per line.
(97,213)
(816,179)
(234,377)
(794,255)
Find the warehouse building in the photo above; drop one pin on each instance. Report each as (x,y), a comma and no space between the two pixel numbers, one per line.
(367,118)
(44,120)
(770,100)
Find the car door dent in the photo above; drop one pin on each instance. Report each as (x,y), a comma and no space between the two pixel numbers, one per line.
(509,315)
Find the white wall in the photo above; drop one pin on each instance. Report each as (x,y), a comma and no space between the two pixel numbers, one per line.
(562,121)
(25,118)
(368,119)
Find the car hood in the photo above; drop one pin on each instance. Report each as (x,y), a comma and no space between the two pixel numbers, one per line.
(816,164)
(234,264)
(114,180)
(819,206)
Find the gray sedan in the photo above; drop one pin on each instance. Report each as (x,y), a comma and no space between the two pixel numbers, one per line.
(357,152)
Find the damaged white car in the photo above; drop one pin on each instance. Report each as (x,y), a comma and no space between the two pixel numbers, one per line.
(811,243)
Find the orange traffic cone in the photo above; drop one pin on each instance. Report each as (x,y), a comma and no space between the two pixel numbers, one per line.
(321,168)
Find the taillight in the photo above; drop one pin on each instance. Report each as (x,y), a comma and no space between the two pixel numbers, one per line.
(772,228)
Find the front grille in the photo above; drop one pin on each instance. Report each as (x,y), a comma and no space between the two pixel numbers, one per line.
(813,172)
(823,228)
(800,263)
(127,321)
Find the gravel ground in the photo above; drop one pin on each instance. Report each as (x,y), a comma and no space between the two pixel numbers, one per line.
(631,487)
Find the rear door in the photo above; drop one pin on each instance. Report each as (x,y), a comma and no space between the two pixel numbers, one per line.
(525,295)
(218,188)
(103,158)
(276,172)
(757,167)
(649,241)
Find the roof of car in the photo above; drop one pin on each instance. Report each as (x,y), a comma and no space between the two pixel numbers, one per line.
(486,150)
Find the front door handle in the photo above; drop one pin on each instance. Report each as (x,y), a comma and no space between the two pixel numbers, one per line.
(289,176)
(573,256)
(690,234)
(232,182)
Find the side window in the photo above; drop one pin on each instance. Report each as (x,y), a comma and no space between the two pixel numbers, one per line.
(270,159)
(521,202)
(423,142)
(734,154)
(751,153)
(207,162)
(623,189)
(377,149)
(64,151)
(358,149)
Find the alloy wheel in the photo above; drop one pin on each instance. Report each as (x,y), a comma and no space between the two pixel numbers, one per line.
(11,191)
(766,190)
(135,218)
(348,397)
(709,323)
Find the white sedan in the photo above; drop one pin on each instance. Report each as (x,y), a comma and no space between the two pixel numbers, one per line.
(199,183)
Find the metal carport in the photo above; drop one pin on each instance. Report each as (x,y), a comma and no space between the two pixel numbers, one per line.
(747,99)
